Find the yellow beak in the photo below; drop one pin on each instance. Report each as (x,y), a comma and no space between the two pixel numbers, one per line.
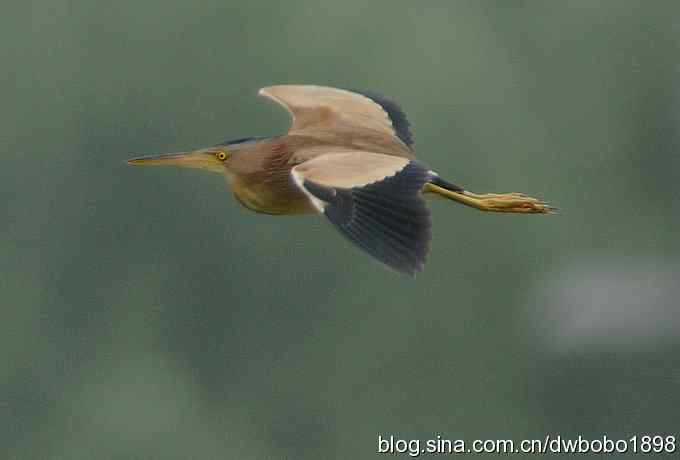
(200,159)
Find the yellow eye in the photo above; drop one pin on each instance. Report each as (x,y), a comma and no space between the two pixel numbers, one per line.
(221,156)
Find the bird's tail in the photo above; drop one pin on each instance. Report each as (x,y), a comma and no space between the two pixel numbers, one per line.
(491,202)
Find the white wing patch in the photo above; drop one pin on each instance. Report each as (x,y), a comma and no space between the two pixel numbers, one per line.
(350,168)
(299,180)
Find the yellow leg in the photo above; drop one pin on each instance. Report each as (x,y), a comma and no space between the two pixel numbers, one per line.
(492,202)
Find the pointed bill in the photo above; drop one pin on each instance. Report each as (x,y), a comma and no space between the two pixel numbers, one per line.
(200,159)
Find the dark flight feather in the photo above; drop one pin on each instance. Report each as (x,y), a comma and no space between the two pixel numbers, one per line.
(401,125)
(387,219)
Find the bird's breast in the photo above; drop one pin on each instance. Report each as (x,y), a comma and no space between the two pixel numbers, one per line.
(272,196)
(262,178)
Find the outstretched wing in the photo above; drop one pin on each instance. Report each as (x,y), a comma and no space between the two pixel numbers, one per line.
(321,107)
(375,201)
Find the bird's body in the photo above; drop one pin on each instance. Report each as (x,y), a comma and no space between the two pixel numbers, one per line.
(261,169)
(347,155)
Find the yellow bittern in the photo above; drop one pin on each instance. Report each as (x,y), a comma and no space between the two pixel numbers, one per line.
(348,155)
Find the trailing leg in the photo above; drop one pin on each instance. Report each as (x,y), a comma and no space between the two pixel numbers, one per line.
(490,202)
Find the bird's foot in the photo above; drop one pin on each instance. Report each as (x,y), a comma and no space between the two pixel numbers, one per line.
(509,202)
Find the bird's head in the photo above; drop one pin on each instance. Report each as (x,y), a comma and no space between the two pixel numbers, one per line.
(216,158)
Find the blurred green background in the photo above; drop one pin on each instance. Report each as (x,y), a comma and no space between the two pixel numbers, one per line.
(146,315)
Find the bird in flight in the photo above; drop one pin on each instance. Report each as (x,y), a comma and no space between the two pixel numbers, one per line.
(349,156)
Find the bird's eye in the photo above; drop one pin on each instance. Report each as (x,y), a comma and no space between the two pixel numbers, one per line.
(221,155)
